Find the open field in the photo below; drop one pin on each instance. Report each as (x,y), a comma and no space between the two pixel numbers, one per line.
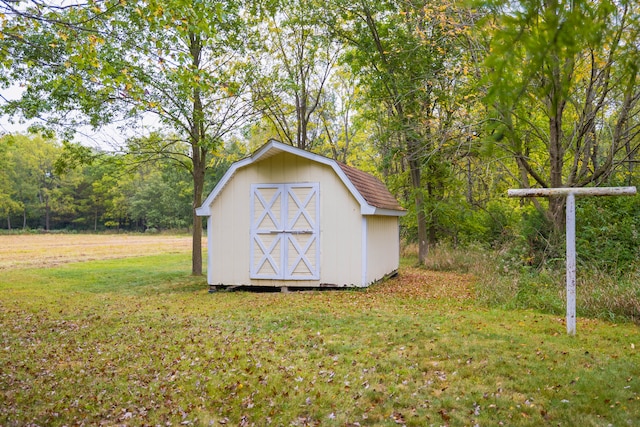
(137,341)
(45,250)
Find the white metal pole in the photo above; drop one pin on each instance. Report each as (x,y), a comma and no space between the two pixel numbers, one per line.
(570,193)
(571,264)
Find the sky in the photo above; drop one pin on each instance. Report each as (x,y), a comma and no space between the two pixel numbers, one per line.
(5,125)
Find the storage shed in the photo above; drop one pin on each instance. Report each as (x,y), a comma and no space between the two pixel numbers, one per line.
(285,217)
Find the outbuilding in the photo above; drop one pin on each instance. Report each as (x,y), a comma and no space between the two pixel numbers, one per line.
(285,217)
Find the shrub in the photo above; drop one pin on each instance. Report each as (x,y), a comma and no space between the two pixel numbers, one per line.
(608,232)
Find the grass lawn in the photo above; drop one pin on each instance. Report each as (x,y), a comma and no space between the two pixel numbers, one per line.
(136,341)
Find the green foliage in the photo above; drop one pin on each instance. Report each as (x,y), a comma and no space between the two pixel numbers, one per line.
(161,199)
(293,61)
(450,105)
(562,94)
(608,232)
(86,189)
(30,188)
(113,60)
(99,63)
(496,222)
(606,235)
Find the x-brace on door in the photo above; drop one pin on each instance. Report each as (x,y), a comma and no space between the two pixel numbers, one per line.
(285,231)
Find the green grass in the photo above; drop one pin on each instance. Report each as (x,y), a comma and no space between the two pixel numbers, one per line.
(139,342)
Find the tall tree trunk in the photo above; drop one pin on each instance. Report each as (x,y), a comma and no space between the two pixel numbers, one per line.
(47,213)
(469,182)
(556,104)
(199,165)
(432,223)
(556,154)
(630,161)
(416,183)
(199,158)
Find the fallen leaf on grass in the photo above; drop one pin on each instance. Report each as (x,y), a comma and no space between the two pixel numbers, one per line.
(398,418)
(416,282)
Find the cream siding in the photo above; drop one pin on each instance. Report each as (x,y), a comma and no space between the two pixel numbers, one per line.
(229,236)
(340,224)
(382,243)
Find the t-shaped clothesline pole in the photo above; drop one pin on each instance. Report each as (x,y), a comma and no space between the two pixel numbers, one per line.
(570,194)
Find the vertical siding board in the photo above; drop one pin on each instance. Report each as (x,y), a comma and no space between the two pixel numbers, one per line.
(382,247)
(210,243)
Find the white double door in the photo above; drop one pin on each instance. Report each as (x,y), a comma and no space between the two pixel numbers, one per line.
(285,231)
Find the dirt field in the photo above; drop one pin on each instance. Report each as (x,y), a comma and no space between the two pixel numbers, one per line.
(44,250)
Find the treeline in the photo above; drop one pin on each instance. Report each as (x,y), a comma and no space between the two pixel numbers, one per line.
(43,188)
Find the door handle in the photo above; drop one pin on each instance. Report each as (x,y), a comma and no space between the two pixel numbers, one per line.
(291,231)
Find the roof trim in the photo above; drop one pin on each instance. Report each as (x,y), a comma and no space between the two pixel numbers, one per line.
(275,147)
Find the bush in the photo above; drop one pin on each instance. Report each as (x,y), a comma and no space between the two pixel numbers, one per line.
(608,232)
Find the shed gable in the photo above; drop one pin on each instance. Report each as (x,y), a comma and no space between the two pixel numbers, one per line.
(372,195)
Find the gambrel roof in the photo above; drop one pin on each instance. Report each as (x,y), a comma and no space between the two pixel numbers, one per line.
(372,195)
(371,188)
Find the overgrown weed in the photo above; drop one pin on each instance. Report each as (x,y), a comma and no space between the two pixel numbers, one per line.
(504,279)
(447,258)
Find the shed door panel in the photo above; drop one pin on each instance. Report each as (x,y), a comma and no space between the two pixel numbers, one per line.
(266,240)
(303,231)
(285,231)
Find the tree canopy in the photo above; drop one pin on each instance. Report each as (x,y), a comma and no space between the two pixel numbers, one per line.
(449,103)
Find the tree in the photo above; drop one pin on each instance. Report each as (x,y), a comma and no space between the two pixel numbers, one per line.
(406,56)
(338,115)
(32,184)
(565,91)
(117,61)
(158,196)
(295,59)
(8,202)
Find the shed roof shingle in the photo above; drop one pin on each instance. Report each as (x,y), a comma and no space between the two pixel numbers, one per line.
(371,188)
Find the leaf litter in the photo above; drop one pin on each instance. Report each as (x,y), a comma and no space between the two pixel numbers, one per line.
(413,350)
